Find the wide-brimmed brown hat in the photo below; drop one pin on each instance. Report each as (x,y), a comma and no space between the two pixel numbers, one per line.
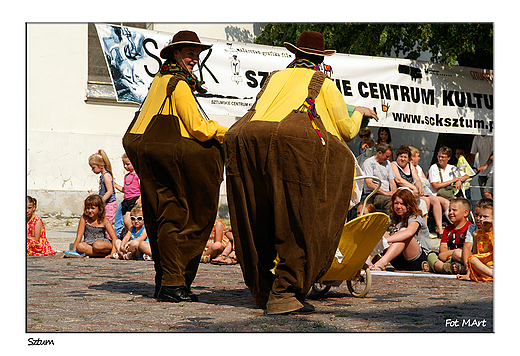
(310,42)
(182,39)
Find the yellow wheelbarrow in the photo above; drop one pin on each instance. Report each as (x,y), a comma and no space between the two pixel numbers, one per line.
(358,240)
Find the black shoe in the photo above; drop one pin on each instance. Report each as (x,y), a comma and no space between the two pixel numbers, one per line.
(175,295)
(157,289)
(193,296)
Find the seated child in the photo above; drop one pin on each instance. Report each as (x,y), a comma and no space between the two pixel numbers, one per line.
(467,249)
(128,248)
(218,243)
(228,256)
(369,208)
(480,263)
(92,228)
(450,259)
(37,243)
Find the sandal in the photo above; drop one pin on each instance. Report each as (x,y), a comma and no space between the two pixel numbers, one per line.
(220,262)
(376,267)
(233,260)
(425,267)
(430,262)
(225,258)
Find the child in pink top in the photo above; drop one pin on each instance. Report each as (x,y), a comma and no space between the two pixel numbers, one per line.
(131,190)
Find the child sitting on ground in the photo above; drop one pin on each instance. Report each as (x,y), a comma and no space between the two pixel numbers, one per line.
(480,263)
(369,208)
(450,259)
(131,190)
(93,228)
(37,243)
(467,249)
(218,244)
(228,256)
(128,248)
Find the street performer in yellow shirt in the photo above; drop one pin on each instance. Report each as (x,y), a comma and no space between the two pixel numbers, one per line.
(177,154)
(290,178)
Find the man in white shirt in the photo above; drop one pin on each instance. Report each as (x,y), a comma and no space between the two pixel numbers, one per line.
(442,175)
(379,166)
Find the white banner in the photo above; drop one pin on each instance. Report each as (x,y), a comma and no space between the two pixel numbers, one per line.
(406,94)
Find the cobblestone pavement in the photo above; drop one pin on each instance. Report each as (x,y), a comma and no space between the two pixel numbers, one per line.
(104,295)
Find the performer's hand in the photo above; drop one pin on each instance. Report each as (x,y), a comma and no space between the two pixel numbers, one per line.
(366,112)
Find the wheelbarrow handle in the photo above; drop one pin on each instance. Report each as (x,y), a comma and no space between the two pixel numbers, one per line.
(373,192)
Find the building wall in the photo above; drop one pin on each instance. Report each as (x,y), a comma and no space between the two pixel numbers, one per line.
(64,129)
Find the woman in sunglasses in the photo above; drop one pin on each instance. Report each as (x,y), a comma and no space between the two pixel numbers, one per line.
(366,142)
(128,248)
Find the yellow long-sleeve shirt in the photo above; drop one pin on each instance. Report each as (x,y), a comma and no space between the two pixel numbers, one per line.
(288,89)
(191,122)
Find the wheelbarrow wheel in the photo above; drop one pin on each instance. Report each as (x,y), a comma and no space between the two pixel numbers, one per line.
(360,284)
(320,289)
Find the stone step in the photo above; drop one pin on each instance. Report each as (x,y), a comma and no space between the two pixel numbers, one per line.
(61,240)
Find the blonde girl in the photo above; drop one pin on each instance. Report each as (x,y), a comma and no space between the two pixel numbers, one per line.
(100,164)
(93,228)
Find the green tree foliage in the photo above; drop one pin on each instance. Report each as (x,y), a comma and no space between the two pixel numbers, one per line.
(466,44)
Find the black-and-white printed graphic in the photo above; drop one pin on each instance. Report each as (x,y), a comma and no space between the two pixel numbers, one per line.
(123,49)
(410,95)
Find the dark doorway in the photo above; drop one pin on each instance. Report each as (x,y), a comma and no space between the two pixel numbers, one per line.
(453,141)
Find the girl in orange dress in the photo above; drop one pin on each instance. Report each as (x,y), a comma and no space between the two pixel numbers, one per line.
(216,243)
(37,244)
(480,264)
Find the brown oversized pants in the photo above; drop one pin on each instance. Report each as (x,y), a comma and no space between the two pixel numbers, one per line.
(288,196)
(180,183)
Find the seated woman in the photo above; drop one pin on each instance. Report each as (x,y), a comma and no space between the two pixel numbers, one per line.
(410,245)
(407,175)
(366,142)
